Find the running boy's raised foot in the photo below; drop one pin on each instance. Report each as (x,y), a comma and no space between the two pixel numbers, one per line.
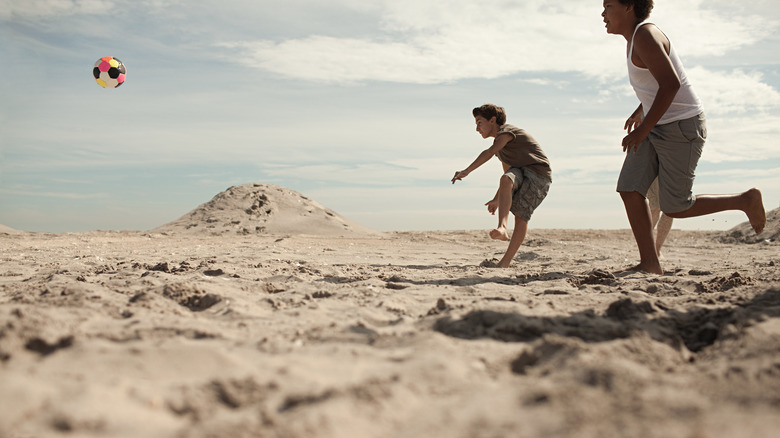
(755,211)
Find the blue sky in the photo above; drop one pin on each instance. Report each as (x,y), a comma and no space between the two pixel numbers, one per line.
(363,106)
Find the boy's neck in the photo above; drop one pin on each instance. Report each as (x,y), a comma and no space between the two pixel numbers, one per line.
(629,33)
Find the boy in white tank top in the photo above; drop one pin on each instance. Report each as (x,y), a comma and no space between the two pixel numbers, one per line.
(666,134)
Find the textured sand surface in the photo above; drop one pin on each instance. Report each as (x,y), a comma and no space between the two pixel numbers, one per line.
(209,328)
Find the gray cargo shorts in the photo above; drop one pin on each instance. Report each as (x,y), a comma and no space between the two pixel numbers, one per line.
(671,153)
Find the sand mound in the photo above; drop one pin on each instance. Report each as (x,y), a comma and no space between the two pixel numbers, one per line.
(8,230)
(743,233)
(262,209)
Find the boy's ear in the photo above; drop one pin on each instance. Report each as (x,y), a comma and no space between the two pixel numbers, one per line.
(493,120)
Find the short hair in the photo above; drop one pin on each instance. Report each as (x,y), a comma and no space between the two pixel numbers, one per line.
(642,8)
(488,111)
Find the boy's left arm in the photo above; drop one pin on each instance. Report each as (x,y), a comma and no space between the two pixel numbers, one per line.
(492,205)
(484,156)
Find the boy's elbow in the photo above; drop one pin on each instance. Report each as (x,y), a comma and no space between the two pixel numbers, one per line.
(669,88)
(674,84)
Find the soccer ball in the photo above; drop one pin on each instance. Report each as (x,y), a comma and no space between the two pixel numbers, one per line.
(109,72)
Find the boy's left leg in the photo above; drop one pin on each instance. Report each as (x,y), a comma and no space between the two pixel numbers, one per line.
(531,190)
(661,231)
(660,222)
(505,189)
(750,202)
(518,235)
(655,215)
(679,154)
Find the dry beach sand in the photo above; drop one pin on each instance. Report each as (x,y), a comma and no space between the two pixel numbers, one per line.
(263,314)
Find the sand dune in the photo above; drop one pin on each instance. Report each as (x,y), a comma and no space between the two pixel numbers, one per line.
(743,233)
(209,328)
(8,230)
(262,209)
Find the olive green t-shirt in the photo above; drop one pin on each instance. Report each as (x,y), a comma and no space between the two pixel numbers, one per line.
(523,151)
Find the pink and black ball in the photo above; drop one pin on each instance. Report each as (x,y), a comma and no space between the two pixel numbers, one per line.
(109,72)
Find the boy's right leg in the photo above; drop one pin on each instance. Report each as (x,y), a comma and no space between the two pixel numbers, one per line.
(505,189)
(518,235)
(639,218)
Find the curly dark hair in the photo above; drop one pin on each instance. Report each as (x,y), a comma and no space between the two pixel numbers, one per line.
(488,111)
(642,8)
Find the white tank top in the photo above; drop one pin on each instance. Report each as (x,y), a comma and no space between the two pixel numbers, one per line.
(686,103)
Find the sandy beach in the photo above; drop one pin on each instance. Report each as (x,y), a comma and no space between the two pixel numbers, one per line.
(262,313)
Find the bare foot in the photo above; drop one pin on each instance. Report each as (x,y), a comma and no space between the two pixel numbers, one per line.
(755,211)
(499,234)
(489,263)
(647,268)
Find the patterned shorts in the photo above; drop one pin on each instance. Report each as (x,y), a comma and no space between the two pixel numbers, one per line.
(530,189)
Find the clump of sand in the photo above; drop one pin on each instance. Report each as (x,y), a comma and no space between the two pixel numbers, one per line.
(262,209)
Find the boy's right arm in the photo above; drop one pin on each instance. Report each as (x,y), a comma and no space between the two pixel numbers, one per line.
(483,157)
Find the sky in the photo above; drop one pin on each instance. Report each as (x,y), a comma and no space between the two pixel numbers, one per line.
(363,106)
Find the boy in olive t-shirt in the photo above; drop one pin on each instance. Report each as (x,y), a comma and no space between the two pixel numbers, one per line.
(526,179)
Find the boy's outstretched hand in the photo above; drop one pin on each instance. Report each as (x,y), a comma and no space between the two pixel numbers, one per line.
(459,175)
(492,206)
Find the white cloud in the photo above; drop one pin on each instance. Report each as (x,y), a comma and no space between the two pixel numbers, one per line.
(326,59)
(733,92)
(443,41)
(439,41)
(750,138)
(53,8)
(699,28)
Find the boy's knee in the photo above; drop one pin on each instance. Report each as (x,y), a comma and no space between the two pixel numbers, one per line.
(631,196)
(677,214)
